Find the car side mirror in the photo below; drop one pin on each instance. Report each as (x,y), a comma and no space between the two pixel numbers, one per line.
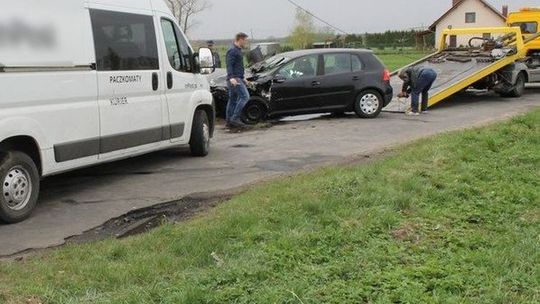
(279,79)
(206,61)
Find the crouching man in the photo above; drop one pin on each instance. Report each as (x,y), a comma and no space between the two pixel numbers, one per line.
(417,80)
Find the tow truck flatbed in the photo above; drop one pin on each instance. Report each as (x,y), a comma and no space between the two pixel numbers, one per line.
(458,69)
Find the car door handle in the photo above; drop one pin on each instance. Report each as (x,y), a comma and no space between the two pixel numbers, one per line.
(155,81)
(356,78)
(169,80)
(315,83)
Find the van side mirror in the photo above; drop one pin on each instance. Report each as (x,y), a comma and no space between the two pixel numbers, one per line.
(206,61)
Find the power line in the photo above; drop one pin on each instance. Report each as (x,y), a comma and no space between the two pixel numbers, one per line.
(318,18)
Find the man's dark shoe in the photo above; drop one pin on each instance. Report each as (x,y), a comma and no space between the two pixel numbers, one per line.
(239,125)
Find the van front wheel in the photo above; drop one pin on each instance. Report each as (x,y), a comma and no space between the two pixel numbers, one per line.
(20,187)
(199,143)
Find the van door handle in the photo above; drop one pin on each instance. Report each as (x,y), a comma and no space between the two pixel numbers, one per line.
(356,78)
(315,83)
(155,81)
(169,80)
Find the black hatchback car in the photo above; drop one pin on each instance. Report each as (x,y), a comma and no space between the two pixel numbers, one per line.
(313,81)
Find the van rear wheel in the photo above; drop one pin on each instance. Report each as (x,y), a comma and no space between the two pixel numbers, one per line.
(20,187)
(199,143)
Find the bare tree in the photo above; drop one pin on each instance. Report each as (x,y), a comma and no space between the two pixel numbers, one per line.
(185,10)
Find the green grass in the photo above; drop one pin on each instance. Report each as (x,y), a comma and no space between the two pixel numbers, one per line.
(451,219)
(395,61)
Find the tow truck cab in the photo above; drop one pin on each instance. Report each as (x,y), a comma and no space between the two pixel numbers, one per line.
(528,19)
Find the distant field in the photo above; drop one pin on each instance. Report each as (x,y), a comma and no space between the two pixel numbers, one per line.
(393,60)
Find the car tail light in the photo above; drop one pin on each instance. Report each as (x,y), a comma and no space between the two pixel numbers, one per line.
(386,75)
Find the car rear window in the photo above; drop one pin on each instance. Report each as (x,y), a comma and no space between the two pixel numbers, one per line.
(357,64)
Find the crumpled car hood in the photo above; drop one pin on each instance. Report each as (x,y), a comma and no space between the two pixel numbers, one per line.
(219,77)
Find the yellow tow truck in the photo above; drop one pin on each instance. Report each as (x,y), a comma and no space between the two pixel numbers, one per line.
(501,59)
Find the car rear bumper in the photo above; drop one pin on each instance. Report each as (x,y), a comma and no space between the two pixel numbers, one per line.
(388,94)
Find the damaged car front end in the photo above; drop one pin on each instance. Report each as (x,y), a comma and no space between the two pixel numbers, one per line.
(260,78)
(310,82)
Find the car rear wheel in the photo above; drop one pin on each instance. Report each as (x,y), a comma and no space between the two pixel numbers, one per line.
(368,104)
(254,112)
(519,87)
(20,187)
(199,143)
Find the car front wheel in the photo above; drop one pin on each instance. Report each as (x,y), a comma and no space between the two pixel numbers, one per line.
(368,104)
(199,143)
(254,112)
(20,187)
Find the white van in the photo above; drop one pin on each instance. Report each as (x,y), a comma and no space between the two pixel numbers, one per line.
(84,82)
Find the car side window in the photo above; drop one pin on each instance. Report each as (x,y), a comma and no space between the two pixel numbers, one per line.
(357,64)
(124,41)
(178,51)
(300,68)
(337,64)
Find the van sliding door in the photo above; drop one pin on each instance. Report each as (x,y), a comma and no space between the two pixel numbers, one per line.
(129,82)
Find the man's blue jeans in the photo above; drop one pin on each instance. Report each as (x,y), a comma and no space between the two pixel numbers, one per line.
(238,98)
(423,85)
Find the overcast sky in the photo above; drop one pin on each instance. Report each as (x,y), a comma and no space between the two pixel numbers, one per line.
(275,17)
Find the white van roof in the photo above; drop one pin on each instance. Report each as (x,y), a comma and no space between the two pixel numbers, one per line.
(50,33)
(55,33)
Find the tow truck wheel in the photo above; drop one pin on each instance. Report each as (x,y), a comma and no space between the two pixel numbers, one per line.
(368,104)
(519,87)
(199,143)
(20,187)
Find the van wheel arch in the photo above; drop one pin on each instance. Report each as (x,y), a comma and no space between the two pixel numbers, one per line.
(211,113)
(25,144)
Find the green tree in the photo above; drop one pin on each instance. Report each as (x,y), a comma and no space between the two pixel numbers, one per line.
(303,33)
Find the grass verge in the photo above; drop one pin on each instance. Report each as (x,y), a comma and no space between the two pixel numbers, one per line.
(451,219)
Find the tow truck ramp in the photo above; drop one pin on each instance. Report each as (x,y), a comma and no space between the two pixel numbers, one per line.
(460,68)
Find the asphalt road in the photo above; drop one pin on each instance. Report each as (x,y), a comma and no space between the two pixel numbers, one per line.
(76,202)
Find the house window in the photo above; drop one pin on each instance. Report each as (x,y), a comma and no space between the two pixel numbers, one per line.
(470,17)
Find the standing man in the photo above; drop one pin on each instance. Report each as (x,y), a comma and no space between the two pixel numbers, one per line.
(217,59)
(236,83)
(417,80)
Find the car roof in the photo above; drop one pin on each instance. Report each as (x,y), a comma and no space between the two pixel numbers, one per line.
(300,53)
